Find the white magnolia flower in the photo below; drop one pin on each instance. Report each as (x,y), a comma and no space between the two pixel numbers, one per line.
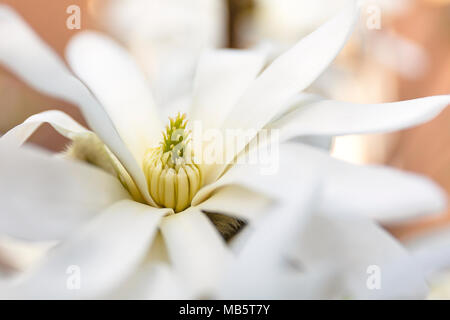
(119,229)
(166,37)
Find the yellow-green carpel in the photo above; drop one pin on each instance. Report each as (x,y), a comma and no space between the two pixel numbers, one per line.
(172,177)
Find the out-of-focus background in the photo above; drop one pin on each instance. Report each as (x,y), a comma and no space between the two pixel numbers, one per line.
(400,50)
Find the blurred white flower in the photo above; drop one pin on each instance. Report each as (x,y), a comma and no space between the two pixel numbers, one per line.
(166,37)
(120,228)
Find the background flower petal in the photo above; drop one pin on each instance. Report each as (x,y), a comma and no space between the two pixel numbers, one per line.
(327,117)
(117,82)
(289,74)
(196,250)
(104,252)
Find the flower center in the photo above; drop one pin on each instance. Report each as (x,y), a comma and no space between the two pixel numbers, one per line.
(172,177)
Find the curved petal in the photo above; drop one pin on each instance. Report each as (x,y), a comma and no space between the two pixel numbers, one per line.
(298,253)
(102,254)
(196,249)
(116,81)
(86,146)
(292,72)
(222,76)
(327,117)
(289,74)
(44,198)
(353,245)
(25,54)
(60,121)
(384,194)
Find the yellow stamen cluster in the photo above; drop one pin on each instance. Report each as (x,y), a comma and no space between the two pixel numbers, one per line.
(172,177)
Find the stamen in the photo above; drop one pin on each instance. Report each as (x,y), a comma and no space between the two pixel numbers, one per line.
(172,177)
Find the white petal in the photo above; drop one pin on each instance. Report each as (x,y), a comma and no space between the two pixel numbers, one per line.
(387,195)
(117,82)
(351,244)
(327,117)
(237,202)
(432,250)
(24,53)
(44,198)
(37,64)
(155,278)
(289,170)
(291,73)
(103,253)
(222,76)
(196,249)
(384,194)
(60,121)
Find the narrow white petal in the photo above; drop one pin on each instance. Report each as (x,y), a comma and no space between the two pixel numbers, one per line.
(60,121)
(44,198)
(116,81)
(327,117)
(21,255)
(26,55)
(196,249)
(103,253)
(260,270)
(222,76)
(289,170)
